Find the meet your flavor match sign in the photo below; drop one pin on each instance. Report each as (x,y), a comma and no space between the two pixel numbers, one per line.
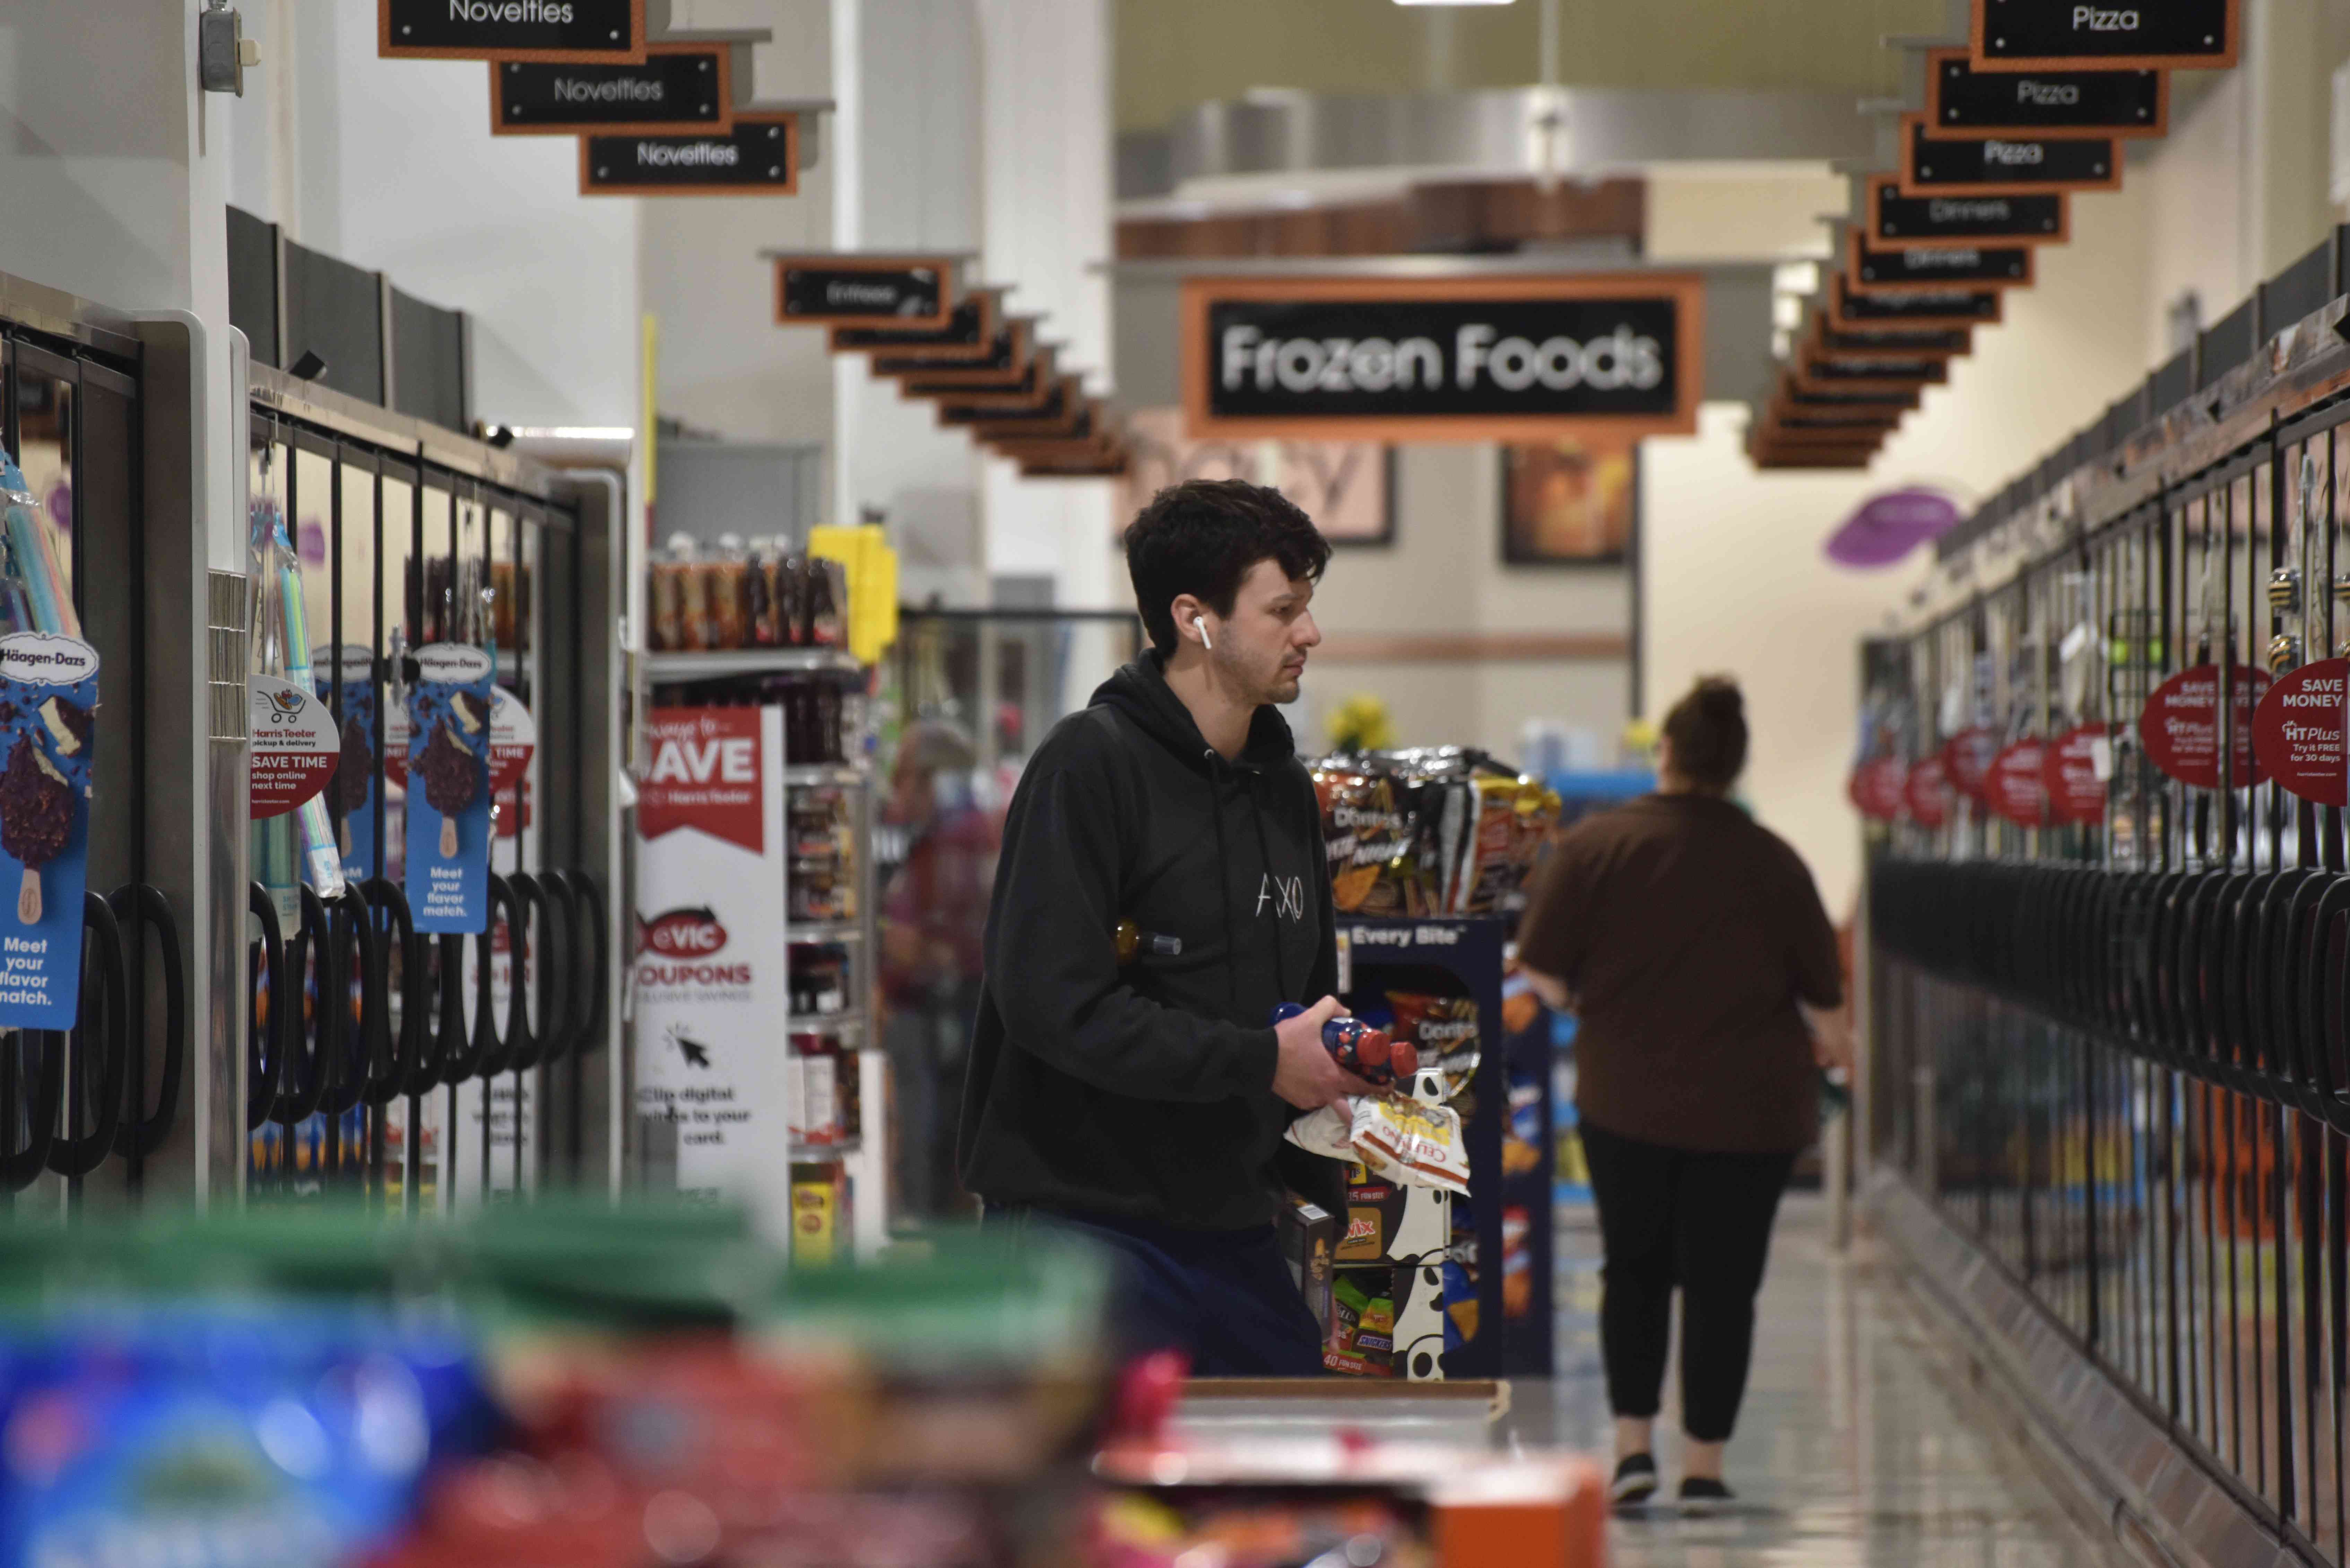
(1442,359)
(48,707)
(446,766)
(710,983)
(352,801)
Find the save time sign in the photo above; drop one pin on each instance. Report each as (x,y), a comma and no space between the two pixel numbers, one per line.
(1463,359)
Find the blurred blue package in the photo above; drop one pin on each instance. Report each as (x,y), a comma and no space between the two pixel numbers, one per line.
(220,1437)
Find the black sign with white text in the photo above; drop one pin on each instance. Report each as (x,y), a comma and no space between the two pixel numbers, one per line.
(1937,268)
(759,157)
(575,30)
(1849,307)
(1802,397)
(2011,35)
(847,291)
(673,90)
(1828,371)
(968,335)
(1895,219)
(1961,164)
(2052,103)
(1895,341)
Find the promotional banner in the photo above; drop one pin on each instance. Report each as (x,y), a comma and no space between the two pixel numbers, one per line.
(1926,793)
(2297,731)
(711,984)
(447,753)
(2012,788)
(2180,726)
(293,749)
(2075,773)
(1441,358)
(1967,757)
(1876,787)
(48,708)
(353,799)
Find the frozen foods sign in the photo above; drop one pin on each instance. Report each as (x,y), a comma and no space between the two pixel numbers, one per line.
(1438,359)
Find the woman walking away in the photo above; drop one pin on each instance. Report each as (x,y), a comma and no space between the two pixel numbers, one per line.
(1691,942)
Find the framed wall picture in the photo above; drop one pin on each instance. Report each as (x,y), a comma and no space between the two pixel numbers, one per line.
(1347,487)
(1569,503)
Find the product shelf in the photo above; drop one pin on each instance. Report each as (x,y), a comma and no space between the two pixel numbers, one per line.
(827,1153)
(717,663)
(828,933)
(839,775)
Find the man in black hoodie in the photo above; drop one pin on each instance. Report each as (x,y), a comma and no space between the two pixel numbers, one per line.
(1144,1103)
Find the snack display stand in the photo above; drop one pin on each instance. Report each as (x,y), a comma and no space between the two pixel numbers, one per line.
(1505,1229)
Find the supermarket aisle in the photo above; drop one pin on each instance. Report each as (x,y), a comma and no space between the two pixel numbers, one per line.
(1850,1450)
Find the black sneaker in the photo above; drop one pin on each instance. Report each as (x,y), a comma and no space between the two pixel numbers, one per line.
(1703,1494)
(1636,1481)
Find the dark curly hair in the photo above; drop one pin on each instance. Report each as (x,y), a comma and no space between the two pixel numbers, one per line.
(1202,537)
(1708,730)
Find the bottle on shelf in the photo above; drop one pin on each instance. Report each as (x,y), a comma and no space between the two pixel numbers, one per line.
(727,579)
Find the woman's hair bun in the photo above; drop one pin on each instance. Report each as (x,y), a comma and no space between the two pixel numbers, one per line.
(1720,696)
(1707,732)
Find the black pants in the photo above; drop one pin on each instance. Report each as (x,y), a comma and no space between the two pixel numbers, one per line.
(1224,1298)
(1670,1217)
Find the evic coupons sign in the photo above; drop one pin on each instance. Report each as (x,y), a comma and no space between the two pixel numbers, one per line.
(1441,358)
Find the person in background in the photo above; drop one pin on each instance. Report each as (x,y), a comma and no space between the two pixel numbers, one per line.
(1693,945)
(932,915)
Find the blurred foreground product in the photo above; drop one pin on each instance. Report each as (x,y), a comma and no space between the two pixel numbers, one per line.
(566,1384)
(1346,1501)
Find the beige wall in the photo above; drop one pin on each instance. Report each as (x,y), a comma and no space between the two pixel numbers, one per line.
(1444,574)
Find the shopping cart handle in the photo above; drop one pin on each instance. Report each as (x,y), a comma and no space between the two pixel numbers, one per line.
(143,1132)
(105,1031)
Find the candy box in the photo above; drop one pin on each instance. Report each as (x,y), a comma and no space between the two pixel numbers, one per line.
(1309,1244)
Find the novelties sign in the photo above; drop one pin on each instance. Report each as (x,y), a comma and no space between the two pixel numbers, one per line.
(2180,726)
(1961,98)
(1961,222)
(2297,731)
(1989,165)
(712,992)
(1441,358)
(760,157)
(677,88)
(861,291)
(575,31)
(2034,34)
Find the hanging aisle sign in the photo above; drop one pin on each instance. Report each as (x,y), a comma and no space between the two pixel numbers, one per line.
(1857,310)
(1813,369)
(863,291)
(1844,400)
(969,334)
(1933,270)
(2042,103)
(678,89)
(1997,165)
(1003,368)
(2036,34)
(1895,219)
(1462,359)
(760,157)
(1894,343)
(2297,731)
(578,32)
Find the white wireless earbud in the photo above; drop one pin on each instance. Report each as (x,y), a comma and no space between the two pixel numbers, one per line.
(1202,622)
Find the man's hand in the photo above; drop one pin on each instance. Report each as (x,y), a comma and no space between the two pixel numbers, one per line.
(1305,1075)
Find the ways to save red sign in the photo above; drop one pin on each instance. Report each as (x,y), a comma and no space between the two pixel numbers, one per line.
(2297,731)
(2180,726)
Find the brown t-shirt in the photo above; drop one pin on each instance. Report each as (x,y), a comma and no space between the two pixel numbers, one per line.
(1686,931)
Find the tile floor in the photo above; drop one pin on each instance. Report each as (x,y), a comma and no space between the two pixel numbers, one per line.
(1851,1451)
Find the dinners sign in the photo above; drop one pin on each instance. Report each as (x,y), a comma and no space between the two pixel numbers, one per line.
(1464,359)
